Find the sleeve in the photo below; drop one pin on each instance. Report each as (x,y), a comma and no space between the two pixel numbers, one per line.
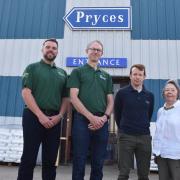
(109,85)
(151,107)
(158,114)
(65,92)
(156,134)
(118,105)
(27,78)
(74,79)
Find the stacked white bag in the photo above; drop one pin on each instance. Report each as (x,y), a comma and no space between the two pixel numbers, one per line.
(153,165)
(11,144)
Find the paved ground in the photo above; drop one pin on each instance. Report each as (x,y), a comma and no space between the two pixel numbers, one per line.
(64,173)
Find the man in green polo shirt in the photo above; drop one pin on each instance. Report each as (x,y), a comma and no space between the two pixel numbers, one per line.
(45,96)
(91,94)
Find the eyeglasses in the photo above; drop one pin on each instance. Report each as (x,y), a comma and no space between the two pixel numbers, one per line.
(94,49)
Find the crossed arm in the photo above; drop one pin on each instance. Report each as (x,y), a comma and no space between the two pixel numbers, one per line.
(46,121)
(96,122)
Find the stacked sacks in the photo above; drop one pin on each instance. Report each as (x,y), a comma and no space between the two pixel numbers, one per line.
(4,140)
(11,143)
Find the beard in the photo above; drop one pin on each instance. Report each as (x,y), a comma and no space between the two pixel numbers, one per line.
(49,56)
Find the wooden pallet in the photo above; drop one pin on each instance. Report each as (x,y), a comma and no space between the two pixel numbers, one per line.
(8,163)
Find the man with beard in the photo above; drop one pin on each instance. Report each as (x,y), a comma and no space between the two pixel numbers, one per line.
(45,96)
(91,95)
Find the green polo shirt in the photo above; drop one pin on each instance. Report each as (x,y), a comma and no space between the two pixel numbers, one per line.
(93,85)
(47,83)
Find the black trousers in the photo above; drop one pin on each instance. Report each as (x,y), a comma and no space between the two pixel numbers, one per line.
(169,169)
(34,134)
(130,146)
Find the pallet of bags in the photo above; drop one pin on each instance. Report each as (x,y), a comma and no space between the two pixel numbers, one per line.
(11,143)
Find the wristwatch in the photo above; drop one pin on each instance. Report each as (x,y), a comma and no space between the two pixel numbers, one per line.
(108,116)
(61,116)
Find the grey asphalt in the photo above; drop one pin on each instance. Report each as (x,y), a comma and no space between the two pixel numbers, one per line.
(64,173)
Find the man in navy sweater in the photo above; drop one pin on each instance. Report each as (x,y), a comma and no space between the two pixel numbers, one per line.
(133,110)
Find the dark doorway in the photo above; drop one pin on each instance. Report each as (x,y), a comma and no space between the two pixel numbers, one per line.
(119,82)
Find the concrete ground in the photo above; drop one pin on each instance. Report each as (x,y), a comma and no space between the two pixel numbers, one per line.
(64,173)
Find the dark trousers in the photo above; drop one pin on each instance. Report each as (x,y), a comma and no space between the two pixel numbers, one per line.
(130,146)
(34,134)
(83,138)
(169,169)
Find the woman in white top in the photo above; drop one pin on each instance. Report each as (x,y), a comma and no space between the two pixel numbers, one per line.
(166,143)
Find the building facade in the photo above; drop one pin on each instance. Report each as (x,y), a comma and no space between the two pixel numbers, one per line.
(153,40)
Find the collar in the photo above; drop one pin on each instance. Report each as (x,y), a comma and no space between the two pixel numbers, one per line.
(90,67)
(130,87)
(176,104)
(51,65)
(168,108)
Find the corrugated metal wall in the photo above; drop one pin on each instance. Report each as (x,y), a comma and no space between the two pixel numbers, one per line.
(161,57)
(23,27)
(25,24)
(156,19)
(31,19)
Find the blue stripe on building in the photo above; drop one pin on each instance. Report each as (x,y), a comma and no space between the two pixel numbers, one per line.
(32,19)
(156,86)
(155,19)
(12,104)
(10,96)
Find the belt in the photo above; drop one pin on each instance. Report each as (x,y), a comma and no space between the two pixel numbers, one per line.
(98,114)
(49,112)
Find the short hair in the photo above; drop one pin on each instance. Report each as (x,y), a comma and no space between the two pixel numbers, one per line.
(95,41)
(141,67)
(52,40)
(176,85)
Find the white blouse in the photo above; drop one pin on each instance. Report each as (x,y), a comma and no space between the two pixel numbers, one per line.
(166,141)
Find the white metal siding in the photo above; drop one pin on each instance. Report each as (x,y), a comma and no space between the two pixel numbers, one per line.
(161,57)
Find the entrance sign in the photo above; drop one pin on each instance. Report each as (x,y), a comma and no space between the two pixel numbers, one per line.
(103,62)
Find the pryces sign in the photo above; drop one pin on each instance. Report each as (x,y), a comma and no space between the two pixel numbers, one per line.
(102,18)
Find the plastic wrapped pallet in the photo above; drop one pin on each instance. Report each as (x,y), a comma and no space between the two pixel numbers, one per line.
(11,143)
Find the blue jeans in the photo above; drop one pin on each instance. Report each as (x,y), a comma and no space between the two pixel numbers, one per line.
(83,139)
(34,134)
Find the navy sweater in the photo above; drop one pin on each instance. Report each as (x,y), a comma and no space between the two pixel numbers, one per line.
(133,110)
